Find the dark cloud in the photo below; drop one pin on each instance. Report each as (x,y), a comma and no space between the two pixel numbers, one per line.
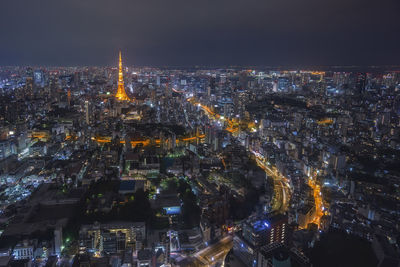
(200,32)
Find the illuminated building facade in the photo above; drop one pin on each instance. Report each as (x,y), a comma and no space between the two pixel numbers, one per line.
(258,232)
(105,238)
(23,251)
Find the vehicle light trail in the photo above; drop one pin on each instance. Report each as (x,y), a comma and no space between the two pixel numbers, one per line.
(146,142)
(281,188)
(319,204)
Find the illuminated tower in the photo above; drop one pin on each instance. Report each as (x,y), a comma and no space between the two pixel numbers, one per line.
(121,94)
(69,98)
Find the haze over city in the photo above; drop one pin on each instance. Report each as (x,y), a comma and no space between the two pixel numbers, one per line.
(189,33)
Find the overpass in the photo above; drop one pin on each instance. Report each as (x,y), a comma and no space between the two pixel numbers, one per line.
(212,254)
(281,184)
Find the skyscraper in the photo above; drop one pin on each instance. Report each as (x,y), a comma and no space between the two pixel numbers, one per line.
(87,114)
(257,232)
(58,244)
(38,78)
(29,82)
(361,83)
(121,94)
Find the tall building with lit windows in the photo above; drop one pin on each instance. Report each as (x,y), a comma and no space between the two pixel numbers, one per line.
(29,83)
(262,231)
(278,254)
(112,237)
(361,81)
(258,231)
(87,112)
(39,78)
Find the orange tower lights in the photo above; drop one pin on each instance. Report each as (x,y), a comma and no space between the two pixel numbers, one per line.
(121,94)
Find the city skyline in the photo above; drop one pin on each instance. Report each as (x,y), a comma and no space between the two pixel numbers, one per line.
(222,165)
(205,133)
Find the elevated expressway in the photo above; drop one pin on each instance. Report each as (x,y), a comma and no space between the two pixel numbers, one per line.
(282,190)
(213,254)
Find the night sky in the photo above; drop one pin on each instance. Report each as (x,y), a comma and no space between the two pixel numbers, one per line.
(200,32)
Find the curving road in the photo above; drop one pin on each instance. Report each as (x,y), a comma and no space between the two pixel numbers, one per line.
(281,185)
(214,253)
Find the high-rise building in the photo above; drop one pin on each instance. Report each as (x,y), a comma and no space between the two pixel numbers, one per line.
(77,79)
(361,82)
(112,242)
(258,231)
(112,237)
(39,78)
(278,254)
(121,94)
(29,83)
(58,241)
(87,114)
(283,83)
(262,231)
(168,92)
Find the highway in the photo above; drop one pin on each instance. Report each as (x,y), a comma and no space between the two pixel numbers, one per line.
(319,205)
(281,198)
(214,253)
